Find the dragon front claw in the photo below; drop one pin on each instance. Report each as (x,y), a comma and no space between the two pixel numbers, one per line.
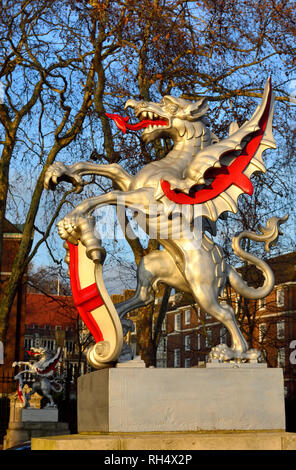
(57,172)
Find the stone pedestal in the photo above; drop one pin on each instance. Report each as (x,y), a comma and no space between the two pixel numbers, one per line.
(209,399)
(44,415)
(18,433)
(169,441)
(27,423)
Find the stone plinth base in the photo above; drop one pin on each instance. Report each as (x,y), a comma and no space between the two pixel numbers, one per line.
(44,415)
(21,432)
(153,400)
(170,441)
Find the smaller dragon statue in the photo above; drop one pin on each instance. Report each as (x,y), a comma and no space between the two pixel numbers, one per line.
(43,371)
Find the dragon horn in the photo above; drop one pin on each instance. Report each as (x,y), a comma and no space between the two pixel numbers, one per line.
(130,103)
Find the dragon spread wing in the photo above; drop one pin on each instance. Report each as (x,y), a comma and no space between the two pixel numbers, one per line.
(229,164)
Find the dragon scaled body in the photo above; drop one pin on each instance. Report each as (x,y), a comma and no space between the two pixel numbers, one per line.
(199,173)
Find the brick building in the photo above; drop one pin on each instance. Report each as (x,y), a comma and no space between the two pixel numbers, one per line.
(52,321)
(13,349)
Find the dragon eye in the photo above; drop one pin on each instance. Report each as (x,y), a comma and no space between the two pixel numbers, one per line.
(173,108)
(167,105)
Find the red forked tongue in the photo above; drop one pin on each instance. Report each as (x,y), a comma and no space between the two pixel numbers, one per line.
(121,123)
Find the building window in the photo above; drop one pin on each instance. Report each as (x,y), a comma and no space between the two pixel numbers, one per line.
(187,343)
(262,332)
(262,304)
(36,340)
(177,322)
(177,358)
(208,338)
(223,335)
(187,316)
(208,316)
(198,341)
(281,357)
(187,362)
(69,346)
(280,329)
(48,344)
(28,343)
(163,325)
(280,297)
(163,344)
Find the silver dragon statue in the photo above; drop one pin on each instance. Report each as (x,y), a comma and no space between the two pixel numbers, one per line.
(199,179)
(42,371)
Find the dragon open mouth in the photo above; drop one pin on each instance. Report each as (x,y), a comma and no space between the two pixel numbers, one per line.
(152,123)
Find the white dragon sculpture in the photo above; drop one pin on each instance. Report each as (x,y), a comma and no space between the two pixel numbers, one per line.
(43,372)
(201,173)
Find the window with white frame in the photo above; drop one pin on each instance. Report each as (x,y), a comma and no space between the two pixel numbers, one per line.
(187,316)
(69,346)
(280,329)
(177,358)
(223,335)
(262,332)
(280,297)
(262,303)
(29,343)
(209,337)
(177,322)
(48,344)
(163,344)
(187,362)
(187,343)
(281,357)
(36,340)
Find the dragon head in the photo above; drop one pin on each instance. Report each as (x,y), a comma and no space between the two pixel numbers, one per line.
(36,351)
(172,117)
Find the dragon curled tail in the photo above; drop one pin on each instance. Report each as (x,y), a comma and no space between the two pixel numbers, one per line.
(56,386)
(269,235)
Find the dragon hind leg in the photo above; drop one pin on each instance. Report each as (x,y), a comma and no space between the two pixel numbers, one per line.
(207,299)
(46,392)
(157,266)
